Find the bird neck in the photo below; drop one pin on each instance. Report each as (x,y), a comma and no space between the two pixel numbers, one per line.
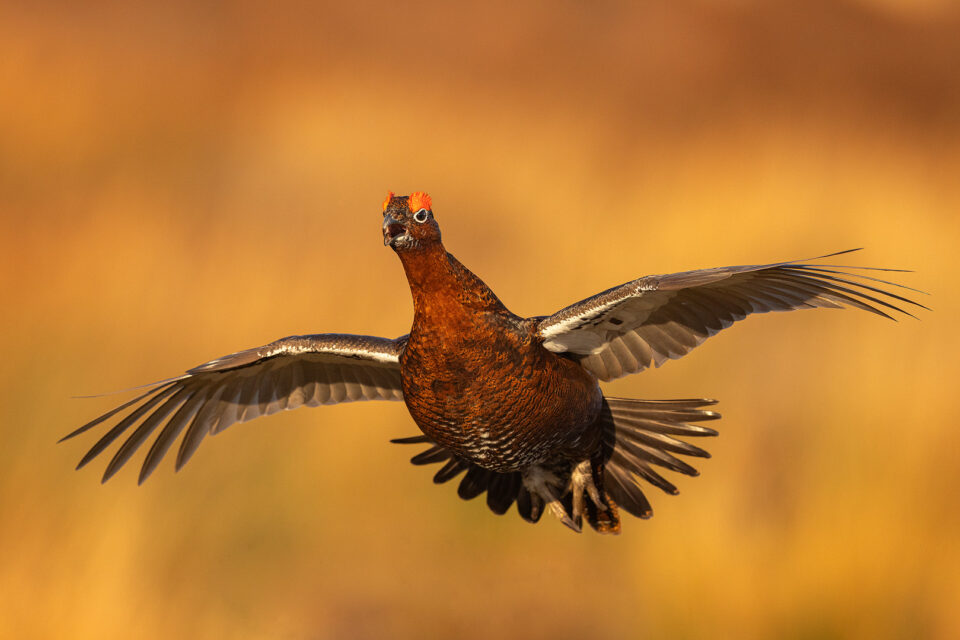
(438,281)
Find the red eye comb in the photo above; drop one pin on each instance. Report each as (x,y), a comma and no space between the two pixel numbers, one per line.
(419,200)
(387,200)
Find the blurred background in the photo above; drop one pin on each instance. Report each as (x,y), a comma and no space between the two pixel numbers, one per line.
(181,180)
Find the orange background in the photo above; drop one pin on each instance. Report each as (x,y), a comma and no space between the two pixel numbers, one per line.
(182,181)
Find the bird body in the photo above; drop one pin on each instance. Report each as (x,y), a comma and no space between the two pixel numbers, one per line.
(513,404)
(524,403)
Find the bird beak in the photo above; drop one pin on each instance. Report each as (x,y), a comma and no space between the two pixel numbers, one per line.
(392,229)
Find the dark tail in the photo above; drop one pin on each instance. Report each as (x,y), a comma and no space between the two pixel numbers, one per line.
(503,489)
(642,434)
(637,435)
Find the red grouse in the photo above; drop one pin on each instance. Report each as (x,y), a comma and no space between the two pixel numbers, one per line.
(512,403)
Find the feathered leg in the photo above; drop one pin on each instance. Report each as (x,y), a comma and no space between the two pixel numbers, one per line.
(545,484)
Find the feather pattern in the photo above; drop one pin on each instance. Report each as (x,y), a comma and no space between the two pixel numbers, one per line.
(639,434)
(286,374)
(648,321)
(502,489)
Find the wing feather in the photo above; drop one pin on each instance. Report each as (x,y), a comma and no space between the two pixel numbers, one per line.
(148,426)
(286,374)
(199,427)
(648,321)
(176,406)
(124,424)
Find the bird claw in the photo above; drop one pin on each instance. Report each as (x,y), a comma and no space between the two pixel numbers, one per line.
(582,486)
(543,483)
(581,479)
(556,507)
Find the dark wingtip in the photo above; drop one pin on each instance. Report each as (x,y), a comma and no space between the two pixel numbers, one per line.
(917,304)
(110,472)
(183,457)
(144,474)
(88,456)
(835,253)
(82,429)
(846,251)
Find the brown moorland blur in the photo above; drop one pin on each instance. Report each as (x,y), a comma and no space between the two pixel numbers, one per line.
(182,180)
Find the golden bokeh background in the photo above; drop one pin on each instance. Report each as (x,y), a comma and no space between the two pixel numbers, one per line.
(181,180)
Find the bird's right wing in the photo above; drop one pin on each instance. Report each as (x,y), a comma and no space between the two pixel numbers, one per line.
(286,374)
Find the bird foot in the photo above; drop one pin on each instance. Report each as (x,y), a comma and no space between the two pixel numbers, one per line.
(581,479)
(545,484)
(580,497)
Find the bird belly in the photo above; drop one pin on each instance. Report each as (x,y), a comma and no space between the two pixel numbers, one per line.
(500,409)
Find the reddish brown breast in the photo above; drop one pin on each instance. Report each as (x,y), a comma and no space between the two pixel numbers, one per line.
(477,381)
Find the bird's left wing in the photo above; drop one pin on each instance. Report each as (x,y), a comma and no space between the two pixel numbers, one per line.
(648,321)
(285,374)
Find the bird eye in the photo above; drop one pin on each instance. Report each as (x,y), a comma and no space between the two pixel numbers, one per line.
(421,216)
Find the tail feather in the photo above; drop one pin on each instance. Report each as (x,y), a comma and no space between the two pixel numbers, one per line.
(660,457)
(626,494)
(450,470)
(502,489)
(474,483)
(627,465)
(665,442)
(639,434)
(668,428)
(529,506)
(638,438)
(431,455)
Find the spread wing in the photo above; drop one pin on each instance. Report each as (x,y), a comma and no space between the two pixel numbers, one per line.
(286,374)
(648,321)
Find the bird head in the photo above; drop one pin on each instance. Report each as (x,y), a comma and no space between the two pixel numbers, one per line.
(408,222)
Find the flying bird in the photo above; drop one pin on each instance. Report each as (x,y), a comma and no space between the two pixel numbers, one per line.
(513,404)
